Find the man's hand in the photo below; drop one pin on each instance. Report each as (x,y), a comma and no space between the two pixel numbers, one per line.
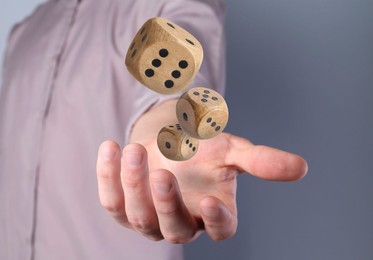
(163,199)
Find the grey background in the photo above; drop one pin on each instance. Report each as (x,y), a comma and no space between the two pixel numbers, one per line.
(300,78)
(12,12)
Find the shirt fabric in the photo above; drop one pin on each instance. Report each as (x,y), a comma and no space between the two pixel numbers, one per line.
(65,90)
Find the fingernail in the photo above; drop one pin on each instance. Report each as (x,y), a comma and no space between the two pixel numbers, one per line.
(107,153)
(162,188)
(133,159)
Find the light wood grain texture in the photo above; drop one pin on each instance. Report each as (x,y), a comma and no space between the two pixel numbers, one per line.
(202,113)
(175,145)
(163,56)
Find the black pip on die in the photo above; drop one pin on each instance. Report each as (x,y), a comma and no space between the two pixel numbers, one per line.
(164,57)
(202,113)
(175,145)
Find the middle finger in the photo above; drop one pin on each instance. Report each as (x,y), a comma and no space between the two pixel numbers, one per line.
(138,203)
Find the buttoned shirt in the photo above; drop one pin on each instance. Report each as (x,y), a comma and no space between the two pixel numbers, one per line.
(65,90)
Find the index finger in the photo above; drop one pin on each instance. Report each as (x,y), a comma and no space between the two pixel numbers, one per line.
(108,177)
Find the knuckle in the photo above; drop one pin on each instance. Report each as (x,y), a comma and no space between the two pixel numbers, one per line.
(116,211)
(115,207)
(134,180)
(178,238)
(144,226)
(132,183)
(168,210)
(156,236)
(106,173)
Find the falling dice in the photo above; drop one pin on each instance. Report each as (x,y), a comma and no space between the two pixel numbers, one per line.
(202,113)
(164,57)
(175,145)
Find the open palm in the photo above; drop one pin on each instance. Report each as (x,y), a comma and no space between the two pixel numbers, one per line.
(163,199)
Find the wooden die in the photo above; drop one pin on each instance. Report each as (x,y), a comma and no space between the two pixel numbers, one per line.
(175,145)
(163,56)
(202,113)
